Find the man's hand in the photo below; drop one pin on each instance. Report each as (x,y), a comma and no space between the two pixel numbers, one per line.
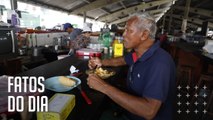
(96,83)
(94,62)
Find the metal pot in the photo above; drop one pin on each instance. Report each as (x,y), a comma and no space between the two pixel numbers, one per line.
(37,51)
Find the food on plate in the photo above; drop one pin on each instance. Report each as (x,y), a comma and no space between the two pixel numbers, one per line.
(103,73)
(69,82)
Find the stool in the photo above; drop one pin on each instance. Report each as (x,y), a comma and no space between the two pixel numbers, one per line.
(190,63)
(173,51)
(12,66)
(205,80)
(185,76)
(209,106)
(210,68)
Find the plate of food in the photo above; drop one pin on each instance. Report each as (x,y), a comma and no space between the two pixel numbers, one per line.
(61,83)
(103,73)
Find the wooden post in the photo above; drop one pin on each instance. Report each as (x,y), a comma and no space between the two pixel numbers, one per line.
(170,21)
(185,17)
(205,29)
(163,24)
(85,16)
(13,4)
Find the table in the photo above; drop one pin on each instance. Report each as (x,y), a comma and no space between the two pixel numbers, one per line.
(81,111)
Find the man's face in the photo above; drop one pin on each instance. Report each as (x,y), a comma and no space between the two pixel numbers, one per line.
(87,34)
(69,30)
(132,35)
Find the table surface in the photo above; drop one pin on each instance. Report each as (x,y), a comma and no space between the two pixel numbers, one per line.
(198,51)
(81,111)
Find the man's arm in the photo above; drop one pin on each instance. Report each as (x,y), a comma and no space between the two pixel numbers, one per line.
(144,107)
(73,35)
(119,61)
(93,62)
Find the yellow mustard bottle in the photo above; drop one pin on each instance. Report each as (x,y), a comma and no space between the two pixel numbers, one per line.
(118,48)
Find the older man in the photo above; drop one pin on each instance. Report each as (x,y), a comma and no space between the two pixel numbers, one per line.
(151,75)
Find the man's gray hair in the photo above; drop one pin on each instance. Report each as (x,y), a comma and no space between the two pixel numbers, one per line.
(146,22)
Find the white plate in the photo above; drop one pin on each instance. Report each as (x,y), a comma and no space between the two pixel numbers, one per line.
(54,84)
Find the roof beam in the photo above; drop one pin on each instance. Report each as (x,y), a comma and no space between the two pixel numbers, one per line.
(193,20)
(46,1)
(44,5)
(99,8)
(86,1)
(122,4)
(201,3)
(126,18)
(204,12)
(107,12)
(180,23)
(158,15)
(133,9)
(94,5)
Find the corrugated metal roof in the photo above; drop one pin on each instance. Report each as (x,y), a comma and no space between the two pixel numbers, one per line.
(117,11)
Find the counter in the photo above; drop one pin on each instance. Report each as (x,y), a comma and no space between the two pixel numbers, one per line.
(197,51)
(191,56)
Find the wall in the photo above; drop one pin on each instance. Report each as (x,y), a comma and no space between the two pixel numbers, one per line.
(42,38)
